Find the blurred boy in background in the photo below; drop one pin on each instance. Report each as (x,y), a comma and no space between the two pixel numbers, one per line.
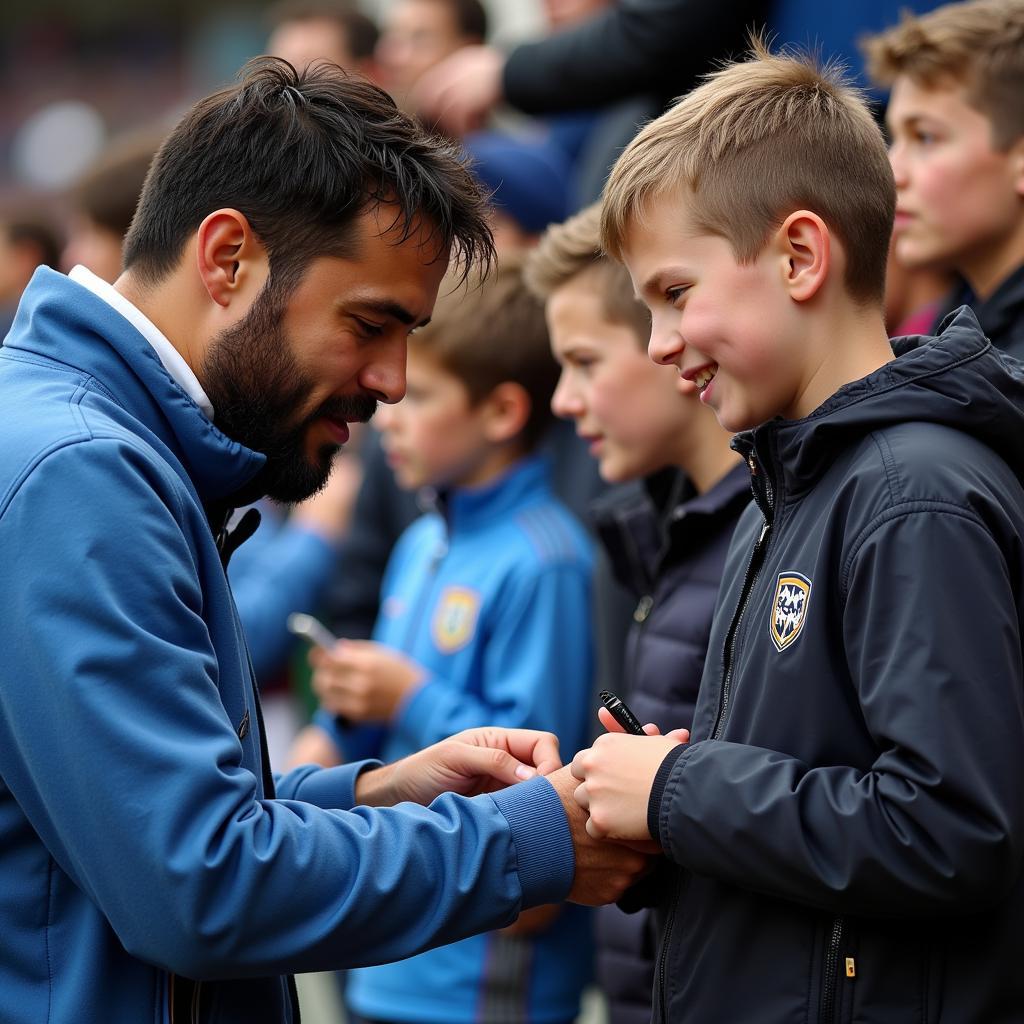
(485,619)
(666,544)
(956,119)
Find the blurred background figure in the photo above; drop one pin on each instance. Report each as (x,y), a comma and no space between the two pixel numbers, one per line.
(419,34)
(27,240)
(338,31)
(102,203)
(529,179)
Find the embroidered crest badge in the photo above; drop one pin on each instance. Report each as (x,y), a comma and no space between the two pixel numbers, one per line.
(455,618)
(789,608)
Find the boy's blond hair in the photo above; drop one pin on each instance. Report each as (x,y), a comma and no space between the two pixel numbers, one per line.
(567,250)
(979,45)
(486,332)
(756,141)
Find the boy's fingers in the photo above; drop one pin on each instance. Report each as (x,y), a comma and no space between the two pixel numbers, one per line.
(651,729)
(683,735)
(604,716)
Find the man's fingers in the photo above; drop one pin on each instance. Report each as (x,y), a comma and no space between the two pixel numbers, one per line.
(469,761)
(580,795)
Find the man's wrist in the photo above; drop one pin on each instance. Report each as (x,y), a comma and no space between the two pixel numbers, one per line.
(373,786)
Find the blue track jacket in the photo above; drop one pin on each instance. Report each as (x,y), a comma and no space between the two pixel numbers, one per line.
(138,842)
(491,596)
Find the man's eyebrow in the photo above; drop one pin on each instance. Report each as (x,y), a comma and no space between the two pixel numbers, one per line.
(395,310)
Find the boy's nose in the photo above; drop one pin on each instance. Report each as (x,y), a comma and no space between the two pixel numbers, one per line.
(665,346)
(565,401)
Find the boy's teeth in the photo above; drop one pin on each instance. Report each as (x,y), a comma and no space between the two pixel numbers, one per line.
(703,379)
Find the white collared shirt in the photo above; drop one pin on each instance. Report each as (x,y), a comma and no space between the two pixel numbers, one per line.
(173,361)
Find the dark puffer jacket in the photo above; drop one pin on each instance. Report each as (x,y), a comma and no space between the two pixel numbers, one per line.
(668,546)
(848,821)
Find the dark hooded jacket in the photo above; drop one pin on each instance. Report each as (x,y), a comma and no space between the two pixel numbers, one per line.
(667,544)
(848,822)
(1001,315)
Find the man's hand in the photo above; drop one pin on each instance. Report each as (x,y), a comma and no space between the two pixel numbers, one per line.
(458,93)
(470,762)
(604,870)
(362,680)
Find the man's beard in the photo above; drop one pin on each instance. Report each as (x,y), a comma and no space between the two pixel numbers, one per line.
(258,393)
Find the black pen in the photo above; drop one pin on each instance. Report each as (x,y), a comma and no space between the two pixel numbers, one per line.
(620,712)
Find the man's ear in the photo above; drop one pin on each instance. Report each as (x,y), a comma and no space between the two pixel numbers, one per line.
(805,246)
(231,261)
(506,411)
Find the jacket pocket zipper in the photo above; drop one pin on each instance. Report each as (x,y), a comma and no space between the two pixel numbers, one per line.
(828,982)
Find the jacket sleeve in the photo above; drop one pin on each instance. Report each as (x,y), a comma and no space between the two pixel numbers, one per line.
(637,46)
(536,670)
(115,744)
(936,825)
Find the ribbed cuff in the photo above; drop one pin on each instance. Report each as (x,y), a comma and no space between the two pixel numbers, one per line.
(658,791)
(545,857)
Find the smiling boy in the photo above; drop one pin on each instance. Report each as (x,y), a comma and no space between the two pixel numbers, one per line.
(956,119)
(847,823)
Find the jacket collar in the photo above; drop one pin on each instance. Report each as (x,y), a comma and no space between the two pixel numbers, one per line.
(465,508)
(957,379)
(62,321)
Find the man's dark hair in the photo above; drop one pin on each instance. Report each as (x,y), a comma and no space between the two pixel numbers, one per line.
(360,30)
(302,155)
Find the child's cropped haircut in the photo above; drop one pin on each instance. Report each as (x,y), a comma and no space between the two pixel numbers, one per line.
(756,141)
(491,332)
(979,45)
(570,248)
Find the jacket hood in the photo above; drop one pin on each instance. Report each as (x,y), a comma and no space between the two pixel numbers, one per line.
(60,320)
(957,379)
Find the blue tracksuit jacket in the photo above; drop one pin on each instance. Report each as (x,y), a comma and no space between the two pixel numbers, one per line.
(491,596)
(139,842)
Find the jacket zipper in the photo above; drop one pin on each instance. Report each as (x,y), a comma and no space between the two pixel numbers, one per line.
(422,597)
(749,579)
(670,921)
(828,983)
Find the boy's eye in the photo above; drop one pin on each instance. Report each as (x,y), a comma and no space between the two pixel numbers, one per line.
(673,295)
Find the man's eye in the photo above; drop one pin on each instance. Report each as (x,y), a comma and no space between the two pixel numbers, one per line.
(369,328)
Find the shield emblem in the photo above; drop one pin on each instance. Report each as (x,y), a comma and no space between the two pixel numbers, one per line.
(455,618)
(789,608)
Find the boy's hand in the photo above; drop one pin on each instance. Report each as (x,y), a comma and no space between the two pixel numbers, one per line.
(616,776)
(362,680)
(470,762)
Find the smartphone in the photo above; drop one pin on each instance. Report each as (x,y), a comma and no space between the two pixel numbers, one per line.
(311,629)
(621,713)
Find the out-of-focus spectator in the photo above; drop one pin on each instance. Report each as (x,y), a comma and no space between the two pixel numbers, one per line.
(103,203)
(646,46)
(303,31)
(529,184)
(419,34)
(27,241)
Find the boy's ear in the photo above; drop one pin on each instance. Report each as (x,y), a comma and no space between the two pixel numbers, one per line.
(805,247)
(231,261)
(506,411)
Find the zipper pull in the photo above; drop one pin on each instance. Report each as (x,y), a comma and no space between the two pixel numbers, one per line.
(752,463)
(851,967)
(643,609)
